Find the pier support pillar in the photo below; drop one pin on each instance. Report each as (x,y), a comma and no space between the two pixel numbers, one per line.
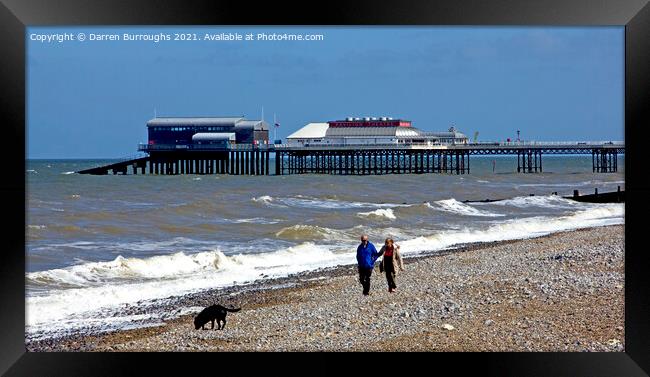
(604,161)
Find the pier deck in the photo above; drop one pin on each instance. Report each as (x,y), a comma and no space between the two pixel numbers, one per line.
(247,159)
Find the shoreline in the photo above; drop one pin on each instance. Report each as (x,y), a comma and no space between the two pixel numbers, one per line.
(477,277)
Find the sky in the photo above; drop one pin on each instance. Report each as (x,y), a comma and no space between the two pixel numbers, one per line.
(92,99)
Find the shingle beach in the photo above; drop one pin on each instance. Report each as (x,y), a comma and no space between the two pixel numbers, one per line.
(561,292)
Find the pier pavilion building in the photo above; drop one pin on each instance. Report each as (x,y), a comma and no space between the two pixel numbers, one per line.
(371,131)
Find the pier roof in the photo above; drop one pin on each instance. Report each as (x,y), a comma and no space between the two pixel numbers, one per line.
(310,131)
(190,121)
(256,124)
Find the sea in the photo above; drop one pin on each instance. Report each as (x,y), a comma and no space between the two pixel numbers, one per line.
(96,245)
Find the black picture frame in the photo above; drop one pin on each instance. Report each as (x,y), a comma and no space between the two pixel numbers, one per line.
(16,15)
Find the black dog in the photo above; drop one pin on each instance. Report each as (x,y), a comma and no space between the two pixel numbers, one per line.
(212,313)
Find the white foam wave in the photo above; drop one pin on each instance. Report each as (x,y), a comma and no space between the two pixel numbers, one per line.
(307,202)
(382,212)
(177,243)
(304,231)
(576,184)
(101,285)
(254,220)
(518,229)
(454,206)
(267,200)
(31,171)
(65,173)
(263,199)
(547,201)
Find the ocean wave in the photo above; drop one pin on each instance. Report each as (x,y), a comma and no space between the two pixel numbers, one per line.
(313,232)
(576,184)
(267,200)
(518,229)
(545,201)
(64,173)
(309,202)
(94,286)
(253,220)
(174,244)
(307,253)
(68,230)
(454,206)
(382,212)
(157,267)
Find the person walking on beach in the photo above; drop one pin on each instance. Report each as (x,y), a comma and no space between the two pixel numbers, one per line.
(390,261)
(366,257)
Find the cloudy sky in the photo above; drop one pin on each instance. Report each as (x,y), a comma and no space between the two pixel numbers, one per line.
(92,99)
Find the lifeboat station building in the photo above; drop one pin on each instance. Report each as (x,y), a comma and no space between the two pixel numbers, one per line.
(166,133)
(370,131)
(207,145)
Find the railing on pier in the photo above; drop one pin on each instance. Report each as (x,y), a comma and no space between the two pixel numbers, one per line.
(202,147)
(119,165)
(433,145)
(119,160)
(577,144)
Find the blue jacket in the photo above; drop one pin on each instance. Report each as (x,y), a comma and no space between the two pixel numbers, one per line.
(366,256)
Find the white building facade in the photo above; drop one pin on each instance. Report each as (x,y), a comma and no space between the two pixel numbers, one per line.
(370,131)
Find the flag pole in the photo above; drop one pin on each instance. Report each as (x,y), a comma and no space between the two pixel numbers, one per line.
(275,129)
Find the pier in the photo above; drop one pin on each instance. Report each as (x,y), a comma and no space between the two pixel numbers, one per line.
(251,159)
(419,159)
(372,160)
(235,145)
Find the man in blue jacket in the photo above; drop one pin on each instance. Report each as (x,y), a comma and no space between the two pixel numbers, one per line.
(366,257)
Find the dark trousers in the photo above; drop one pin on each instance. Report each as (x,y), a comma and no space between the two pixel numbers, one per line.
(364,279)
(389,269)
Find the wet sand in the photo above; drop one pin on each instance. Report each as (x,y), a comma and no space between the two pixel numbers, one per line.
(562,292)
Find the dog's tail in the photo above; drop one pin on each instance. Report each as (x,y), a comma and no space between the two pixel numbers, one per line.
(233,310)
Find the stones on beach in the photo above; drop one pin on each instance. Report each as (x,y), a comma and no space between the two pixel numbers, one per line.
(487,294)
(450,307)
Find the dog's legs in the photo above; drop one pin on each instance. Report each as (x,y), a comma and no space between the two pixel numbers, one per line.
(224,324)
(212,322)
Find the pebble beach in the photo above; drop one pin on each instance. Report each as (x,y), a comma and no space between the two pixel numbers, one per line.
(560,292)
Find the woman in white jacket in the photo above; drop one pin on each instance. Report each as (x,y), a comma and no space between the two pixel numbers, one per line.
(390,262)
